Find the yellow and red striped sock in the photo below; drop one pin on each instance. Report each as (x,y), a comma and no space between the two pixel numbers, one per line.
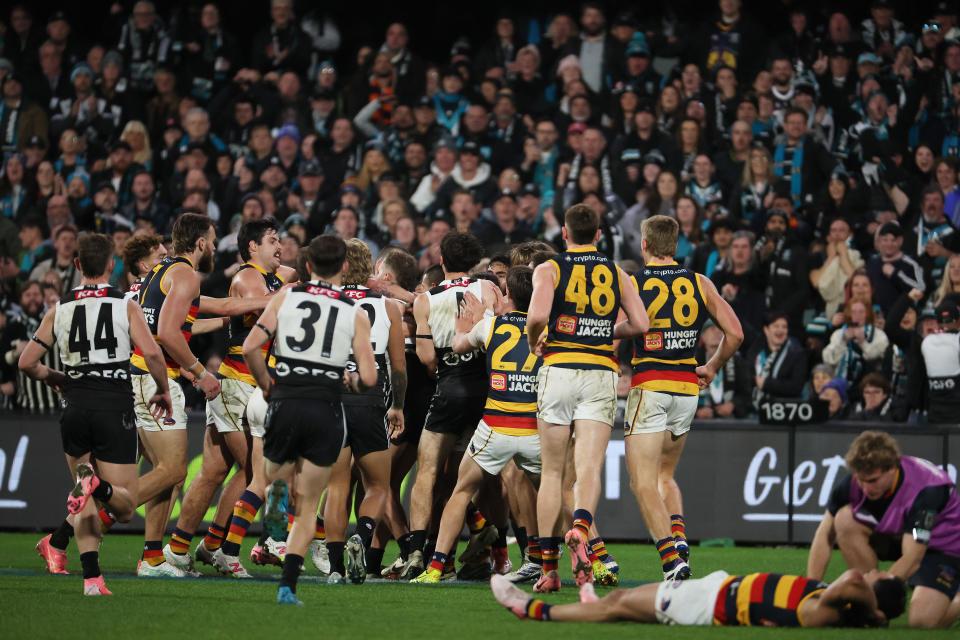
(538,610)
(599,549)
(438,562)
(320,533)
(180,541)
(550,552)
(582,519)
(153,552)
(244,512)
(214,537)
(534,554)
(678,527)
(668,553)
(106,520)
(476,521)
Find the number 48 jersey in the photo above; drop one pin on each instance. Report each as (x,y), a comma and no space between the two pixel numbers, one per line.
(93,335)
(586,302)
(312,345)
(664,357)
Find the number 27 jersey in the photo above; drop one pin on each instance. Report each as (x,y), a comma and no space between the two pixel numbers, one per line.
(664,357)
(586,302)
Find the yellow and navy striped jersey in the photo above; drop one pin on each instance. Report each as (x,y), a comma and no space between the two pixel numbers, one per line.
(664,357)
(764,599)
(511,406)
(152,293)
(586,301)
(233,366)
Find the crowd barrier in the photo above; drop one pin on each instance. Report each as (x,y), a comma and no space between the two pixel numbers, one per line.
(740,479)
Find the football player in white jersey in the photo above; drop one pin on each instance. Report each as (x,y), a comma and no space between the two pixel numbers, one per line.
(95,327)
(313,327)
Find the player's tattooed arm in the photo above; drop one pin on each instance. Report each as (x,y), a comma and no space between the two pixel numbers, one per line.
(398,387)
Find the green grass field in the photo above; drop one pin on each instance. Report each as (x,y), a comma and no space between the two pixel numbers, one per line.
(34,604)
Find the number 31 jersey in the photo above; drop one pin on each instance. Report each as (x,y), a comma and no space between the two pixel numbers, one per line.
(314,337)
(586,302)
(664,357)
(93,335)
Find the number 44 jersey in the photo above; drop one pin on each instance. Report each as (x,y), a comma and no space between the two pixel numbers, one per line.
(93,335)
(664,357)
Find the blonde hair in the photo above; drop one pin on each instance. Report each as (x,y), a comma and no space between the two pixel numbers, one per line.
(748,177)
(661,233)
(359,262)
(368,173)
(145,155)
(947,286)
(872,451)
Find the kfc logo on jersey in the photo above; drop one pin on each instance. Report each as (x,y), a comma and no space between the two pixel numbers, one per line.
(498,382)
(653,341)
(90,293)
(567,324)
(323,291)
(355,293)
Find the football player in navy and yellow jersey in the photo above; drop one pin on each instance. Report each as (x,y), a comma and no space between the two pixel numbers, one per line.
(230,437)
(577,296)
(508,429)
(757,599)
(170,299)
(666,383)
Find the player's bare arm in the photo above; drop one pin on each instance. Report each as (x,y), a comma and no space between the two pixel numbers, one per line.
(366,376)
(849,591)
(637,321)
(425,348)
(32,355)
(260,333)
(821,548)
(183,289)
(398,368)
(161,405)
(209,325)
(232,306)
(912,553)
(538,314)
(723,314)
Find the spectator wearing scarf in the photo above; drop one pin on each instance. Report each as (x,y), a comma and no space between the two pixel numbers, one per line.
(857,346)
(777,364)
(803,162)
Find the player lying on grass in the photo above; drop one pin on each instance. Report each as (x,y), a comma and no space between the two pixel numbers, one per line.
(756,599)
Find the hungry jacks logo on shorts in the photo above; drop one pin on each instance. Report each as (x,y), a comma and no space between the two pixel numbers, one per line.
(567,324)
(498,381)
(652,341)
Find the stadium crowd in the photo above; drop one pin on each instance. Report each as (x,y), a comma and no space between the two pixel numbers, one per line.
(812,164)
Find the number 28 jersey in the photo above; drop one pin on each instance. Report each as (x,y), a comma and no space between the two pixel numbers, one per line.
(93,336)
(664,357)
(314,337)
(586,301)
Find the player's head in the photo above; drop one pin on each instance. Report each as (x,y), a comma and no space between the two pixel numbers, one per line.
(359,262)
(327,256)
(580,225)
(259,240)
(520,286)
(523,253)
(891,592)
(460,252)
(143,252)
(95,255)
(194,232)
(660,235)
(396,265)
(873,459)
(431,278)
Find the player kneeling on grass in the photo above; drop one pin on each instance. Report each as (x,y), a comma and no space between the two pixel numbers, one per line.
(95,327)
(895,507)
(313,326)
(756,599)
(508,429)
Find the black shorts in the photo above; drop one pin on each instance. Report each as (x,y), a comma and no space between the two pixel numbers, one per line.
(308,428)
(454,414)
(366,428)
(938,571)
(107,435)
(888,548)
